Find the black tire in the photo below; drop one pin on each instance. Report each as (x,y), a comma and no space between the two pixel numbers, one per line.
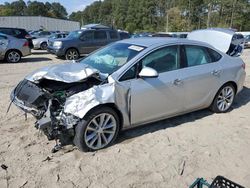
(44,46)
(13,56)
(80,129)
(215,106)
(72,54)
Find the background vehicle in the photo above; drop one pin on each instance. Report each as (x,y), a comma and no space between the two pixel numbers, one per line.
(40,34)
(247,41)
(42,43)
(82,42)
(18,33)
(12,49)
(124,34)
(112,89)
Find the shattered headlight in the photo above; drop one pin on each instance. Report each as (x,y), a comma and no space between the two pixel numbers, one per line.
(69,120)
(57,44)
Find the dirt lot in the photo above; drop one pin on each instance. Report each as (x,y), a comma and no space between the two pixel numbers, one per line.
(170,153)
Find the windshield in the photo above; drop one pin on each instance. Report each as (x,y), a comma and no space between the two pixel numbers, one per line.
(112,57)
(74,34)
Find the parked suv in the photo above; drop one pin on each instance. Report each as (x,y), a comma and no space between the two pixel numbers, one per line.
(18,33)
(81,42)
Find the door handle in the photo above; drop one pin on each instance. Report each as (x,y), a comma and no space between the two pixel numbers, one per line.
(216,72)
(177,82)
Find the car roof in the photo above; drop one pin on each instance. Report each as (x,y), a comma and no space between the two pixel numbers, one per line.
(11,28)
(159,41)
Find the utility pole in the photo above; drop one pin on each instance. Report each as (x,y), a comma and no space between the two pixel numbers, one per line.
(209,14)
(232,14)
(167,22)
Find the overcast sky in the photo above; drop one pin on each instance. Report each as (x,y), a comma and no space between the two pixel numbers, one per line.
(70,5)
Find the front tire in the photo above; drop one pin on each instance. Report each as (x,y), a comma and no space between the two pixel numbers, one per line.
(44,46)
(223,99)
(72,54)
(13,56)
(98,130)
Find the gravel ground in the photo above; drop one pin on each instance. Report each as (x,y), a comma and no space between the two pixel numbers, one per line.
(170,153)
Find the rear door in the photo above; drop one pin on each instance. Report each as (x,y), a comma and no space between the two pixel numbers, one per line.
(201,76)
(100,38)
(113,36)
(87,42)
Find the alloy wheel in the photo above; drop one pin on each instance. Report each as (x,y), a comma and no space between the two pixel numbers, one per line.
(44,46)
(100,131)
(72,54)
(225,98)
(13,57)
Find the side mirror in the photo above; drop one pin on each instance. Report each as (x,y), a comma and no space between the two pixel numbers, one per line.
(148,72)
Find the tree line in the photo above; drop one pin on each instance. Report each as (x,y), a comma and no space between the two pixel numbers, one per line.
(167,15)
(145,15)
(33,8)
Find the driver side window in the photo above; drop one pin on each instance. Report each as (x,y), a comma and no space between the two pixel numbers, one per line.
(163,60)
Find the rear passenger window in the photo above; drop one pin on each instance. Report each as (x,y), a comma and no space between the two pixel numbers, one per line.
(214,56)
(16,32)
(100,35)
(7,31)
(196,55)
(113,35)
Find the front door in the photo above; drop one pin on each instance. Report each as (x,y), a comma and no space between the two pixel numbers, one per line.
(155,98)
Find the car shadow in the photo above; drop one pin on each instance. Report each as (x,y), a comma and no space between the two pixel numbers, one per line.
(34,59)
(241,99)
(39,52)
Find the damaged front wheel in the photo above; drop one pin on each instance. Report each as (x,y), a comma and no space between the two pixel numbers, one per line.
(98,130)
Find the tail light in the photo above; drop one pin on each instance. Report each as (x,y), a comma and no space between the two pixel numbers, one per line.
(27,36)
(243,66)
(26,43)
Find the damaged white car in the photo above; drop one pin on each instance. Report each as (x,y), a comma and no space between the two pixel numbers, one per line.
(126,84)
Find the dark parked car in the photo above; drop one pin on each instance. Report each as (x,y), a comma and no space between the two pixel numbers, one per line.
(247,41)
(18,33)
(82,42)
(124,35)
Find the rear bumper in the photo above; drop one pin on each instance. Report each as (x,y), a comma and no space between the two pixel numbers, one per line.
(26,51)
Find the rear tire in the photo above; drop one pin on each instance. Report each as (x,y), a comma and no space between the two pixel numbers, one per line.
(13,56)
(98,130)
(72,54)
(223,99)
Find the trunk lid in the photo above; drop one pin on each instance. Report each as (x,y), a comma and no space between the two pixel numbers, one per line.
(224,40)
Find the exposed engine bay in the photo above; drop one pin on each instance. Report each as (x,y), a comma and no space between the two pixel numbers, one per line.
(45,99)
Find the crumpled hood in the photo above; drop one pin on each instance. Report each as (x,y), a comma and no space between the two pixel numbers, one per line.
(68,73)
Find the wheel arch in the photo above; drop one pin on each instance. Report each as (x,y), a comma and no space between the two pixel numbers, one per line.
(228,82)
(112,106)
(233,84)
(13,49)
(43,42)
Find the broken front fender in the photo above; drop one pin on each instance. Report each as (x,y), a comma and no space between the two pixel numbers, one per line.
(81,103)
